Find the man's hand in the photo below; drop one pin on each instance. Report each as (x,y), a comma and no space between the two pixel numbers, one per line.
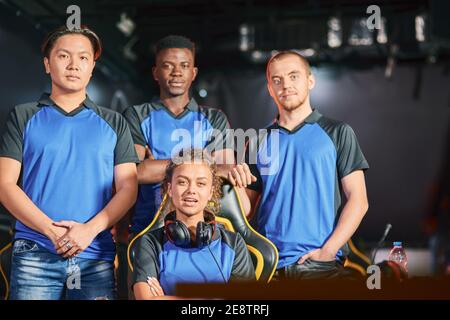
(56,233)
(148,153)
(318,255)
(155,287)
(241,176)
(76,240)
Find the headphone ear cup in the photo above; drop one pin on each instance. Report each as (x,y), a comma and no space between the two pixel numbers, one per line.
(204,234)
(178,233)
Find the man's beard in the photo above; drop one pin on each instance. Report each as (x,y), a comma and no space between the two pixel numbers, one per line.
(291,108)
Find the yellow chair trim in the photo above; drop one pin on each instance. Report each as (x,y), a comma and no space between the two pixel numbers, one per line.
(155,218)
(358,253)
(355,266)
(226,223)
(259,259)
(3,273)
(257,233)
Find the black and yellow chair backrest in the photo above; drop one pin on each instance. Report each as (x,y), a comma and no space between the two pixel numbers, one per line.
(263,252)
(356,260)
(156,223)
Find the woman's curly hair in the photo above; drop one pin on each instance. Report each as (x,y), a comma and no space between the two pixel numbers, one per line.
(196,156)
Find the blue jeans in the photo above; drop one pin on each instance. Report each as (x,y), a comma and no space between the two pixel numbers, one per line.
(37,274)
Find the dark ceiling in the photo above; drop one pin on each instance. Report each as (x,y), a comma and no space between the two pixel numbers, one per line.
(215,25)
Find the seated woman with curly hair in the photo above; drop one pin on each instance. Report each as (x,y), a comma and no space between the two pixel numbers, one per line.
(191,247)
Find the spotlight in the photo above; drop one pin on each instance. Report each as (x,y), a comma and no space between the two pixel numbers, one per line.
(307,52)
(246,37)
(391,61)
(382,34)
(126,25)
(258,56)
(420,23)
(360,35)
(334,32)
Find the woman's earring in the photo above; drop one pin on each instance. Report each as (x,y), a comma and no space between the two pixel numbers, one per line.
(212,206)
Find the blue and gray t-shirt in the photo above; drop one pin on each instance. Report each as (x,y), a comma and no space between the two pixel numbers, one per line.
(68,163)
(158,257)
(299,180)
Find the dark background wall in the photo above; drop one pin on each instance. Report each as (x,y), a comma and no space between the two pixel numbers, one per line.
(402,137)
(401,122)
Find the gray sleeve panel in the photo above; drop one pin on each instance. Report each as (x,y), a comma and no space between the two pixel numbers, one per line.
(146,260)
(349,157)
(218,121)
(124,152)
(135,115)
(11,141)
(349,154)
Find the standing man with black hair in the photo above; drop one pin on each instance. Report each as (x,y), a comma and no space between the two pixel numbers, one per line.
(71,152)
(157,126)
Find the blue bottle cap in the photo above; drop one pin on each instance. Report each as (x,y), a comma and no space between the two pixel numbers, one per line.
(397,243)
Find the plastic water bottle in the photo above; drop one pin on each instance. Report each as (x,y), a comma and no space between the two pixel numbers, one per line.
(398,255)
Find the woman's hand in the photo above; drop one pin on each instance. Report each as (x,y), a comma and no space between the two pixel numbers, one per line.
(155,287)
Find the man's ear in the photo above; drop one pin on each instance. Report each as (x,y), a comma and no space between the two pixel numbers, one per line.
(154,74)
(311,81)
(195,71)
(270,91)
(93,67)
(46,65)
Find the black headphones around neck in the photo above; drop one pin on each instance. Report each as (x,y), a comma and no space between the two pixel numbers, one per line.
(178,233)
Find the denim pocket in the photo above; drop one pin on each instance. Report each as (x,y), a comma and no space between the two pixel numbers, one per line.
(24,245)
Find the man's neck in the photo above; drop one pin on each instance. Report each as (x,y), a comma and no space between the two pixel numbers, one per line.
(68,101)
(291,119)
(177,104)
